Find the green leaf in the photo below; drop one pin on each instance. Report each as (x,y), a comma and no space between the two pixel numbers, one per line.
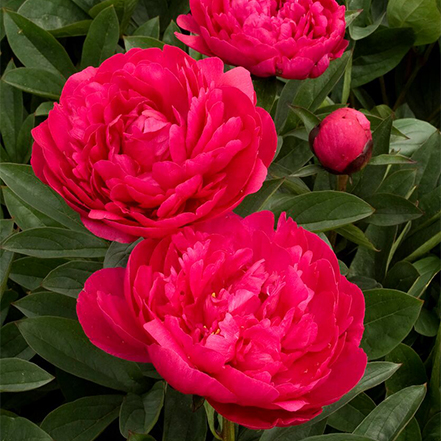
(266,91)
(124,10)
(375,374)
(73,30)
(308,118)
(411,432)
(421,242)
(149,29)
(326,210)
(63,343)
(180,422)
(430,204)
(338,437)
(29,272)
(399,183)
(390,160)
(47,304)
(142,42)
(379,53)
(17,375)
(7,228)
(51,242)
(428,164)
(354,234)
(52,14)
(11,114)
(390,316)
(69,279)
(390,417)
(412,370)
(401,277)
(21,429)
(427,323)
(351,15)
(256,202)
(350,416)
(140,413)
(102,38)
(83,419)
(25,140)
(24,215)
(44,108)
(118,254)
(294,433)
(432,429)
(360,32)
(416,133)
(5,302)
(35,47)
(12,343)
(21,180)
(421,15)
(391,210)
(170,38)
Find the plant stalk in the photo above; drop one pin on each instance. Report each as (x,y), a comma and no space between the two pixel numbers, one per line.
(228,430)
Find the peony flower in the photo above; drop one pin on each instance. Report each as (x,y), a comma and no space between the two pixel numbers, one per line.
(258,321)
(152,140)
(342,142)
(290,38)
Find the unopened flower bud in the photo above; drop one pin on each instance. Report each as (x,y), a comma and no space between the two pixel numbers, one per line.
(342,142)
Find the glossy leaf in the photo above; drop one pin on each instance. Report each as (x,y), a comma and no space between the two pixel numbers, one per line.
(63,343)
(142,42)
(56,243)
(140,413)
(83,419)
(29,272)
(35,47)
(12,343)
(379,53)
(390,316)
(11,113)
(391,210)
(24,215)
(256,202)
(412,371)
(326,210)
(102,38)
(17,375)
(47,304)
(387,420)
(21,180)
(180,422)
(21,429)
(421,15)
(52,14)
(69,279)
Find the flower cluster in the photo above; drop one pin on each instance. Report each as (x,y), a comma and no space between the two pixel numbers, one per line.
(290,38)
(153,140)
(258,320)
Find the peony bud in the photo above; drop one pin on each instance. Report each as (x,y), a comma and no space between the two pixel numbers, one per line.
(342,142)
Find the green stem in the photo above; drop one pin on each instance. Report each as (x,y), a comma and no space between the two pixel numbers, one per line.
(228,430)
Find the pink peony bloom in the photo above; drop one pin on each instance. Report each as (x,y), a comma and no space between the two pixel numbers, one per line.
(152,140)
(342,142)
(257,321)
(289,38)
